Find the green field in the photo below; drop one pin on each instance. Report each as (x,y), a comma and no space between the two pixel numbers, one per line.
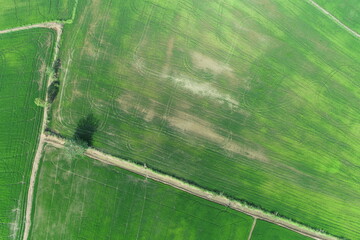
(84,199)
(25,12)
(268,231)
(24,57)
(348,12)
(256,99)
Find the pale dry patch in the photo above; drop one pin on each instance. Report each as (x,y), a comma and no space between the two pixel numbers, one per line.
(77,93)
(169,53)
(255,37)
(89,48)
(128,102)
(188,123)
(48,42)
(149,114)
(42,71)
(14,226)
(193,125)
(93,33)
(205,90)
(139,64)
(246,151)
(204,62)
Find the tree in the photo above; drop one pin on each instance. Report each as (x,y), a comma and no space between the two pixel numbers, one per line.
(53,91)
(40,102)
(74,149)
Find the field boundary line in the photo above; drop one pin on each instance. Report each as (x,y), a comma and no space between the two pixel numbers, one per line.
(332,17)
(191,189)
(252,229)
(58,28)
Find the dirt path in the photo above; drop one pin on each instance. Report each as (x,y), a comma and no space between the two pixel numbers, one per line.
(252,229)
(52,25)
(171,181)
(58,28)
(355,34)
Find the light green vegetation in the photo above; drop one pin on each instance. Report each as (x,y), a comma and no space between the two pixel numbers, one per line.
(348,12)
(84,199)
(24,57)
(24,12)
(264,230)
(257,99)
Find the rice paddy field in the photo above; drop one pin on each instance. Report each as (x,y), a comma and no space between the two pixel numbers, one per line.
(265,230)
(24,57)
(23,12)
(81,198)
(256,99)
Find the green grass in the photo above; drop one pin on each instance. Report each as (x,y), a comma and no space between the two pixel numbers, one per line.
(84,199)
(24,57)
(256,99)
(265,230)
(348,12)
(24,12)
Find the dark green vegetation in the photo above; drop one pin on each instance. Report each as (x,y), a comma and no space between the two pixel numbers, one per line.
(84,199)
(25,12)
(85,129)
(24,57)
(268,231)
(257,99)
(348,12)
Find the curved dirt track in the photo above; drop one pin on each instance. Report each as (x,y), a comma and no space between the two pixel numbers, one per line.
(176,183)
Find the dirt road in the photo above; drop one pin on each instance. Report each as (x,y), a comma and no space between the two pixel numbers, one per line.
(52,25)
(176,183)
(58,28)
(355,34)
(252,229)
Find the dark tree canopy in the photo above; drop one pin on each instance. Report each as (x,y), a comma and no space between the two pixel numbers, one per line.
(85,129)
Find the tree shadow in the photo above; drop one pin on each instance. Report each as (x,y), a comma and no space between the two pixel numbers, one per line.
(53,91)
(85,129)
